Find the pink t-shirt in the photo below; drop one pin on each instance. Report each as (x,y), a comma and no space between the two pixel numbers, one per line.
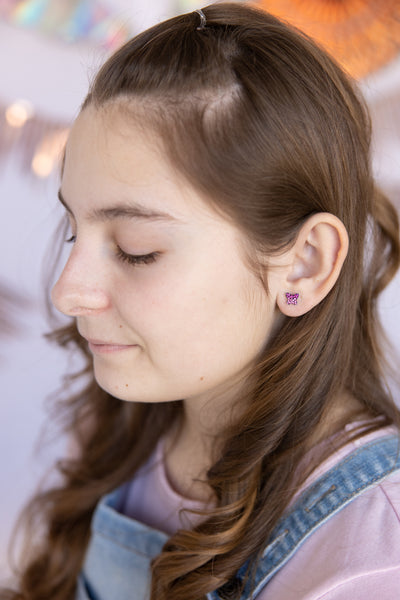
(353,556)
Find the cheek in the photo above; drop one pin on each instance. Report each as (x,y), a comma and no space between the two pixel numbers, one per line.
(196,331)
(169,309)
(198,315)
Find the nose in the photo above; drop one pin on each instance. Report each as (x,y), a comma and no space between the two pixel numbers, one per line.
(79,289)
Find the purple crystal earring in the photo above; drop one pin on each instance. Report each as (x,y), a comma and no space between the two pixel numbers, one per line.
(291,298)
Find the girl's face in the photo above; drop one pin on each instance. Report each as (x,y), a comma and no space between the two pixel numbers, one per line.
(156,279)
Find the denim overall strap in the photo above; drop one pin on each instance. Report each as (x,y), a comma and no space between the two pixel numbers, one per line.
(360,470)
(118,558)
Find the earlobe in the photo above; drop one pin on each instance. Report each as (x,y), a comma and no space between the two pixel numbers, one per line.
(314,264)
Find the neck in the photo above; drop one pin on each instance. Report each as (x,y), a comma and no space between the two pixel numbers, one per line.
(192,446)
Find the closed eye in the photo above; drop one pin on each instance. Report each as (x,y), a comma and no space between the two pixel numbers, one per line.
(137,259)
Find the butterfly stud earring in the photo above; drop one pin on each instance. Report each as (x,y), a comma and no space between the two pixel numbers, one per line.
(291,298)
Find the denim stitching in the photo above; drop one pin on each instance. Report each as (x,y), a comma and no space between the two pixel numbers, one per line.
(275,541)
(346,499)
(304,519)
(347,459)
(324,495)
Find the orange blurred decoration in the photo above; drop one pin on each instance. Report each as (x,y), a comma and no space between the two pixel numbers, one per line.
(362,35)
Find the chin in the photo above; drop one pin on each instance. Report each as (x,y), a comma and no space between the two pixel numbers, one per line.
(127,391)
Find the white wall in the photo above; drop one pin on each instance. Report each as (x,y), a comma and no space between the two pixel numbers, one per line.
(382,92)
(54,78)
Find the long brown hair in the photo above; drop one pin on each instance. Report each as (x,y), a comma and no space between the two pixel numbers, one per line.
(261,120)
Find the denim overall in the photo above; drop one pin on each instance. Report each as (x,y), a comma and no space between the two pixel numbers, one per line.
(117,564)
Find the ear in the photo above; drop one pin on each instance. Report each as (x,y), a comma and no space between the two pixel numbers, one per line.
(313,264)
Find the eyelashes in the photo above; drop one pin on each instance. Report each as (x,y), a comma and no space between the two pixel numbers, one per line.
(137,259)
(131,259)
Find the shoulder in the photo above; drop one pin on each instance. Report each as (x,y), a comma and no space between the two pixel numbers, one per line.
(355,554)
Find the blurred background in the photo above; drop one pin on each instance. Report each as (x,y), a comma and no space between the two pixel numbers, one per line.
(49,50)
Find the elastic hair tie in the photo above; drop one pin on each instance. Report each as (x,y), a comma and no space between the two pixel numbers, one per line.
(203,20)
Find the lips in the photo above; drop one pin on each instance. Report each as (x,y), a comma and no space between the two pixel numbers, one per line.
(105,347)
(103,342)
(108,348)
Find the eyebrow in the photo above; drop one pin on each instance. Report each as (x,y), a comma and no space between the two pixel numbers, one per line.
(121,211)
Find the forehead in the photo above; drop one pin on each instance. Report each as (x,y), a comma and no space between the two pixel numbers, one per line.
(105,142)
(110,158)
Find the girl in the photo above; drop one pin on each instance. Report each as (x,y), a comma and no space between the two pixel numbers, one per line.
(237,439)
